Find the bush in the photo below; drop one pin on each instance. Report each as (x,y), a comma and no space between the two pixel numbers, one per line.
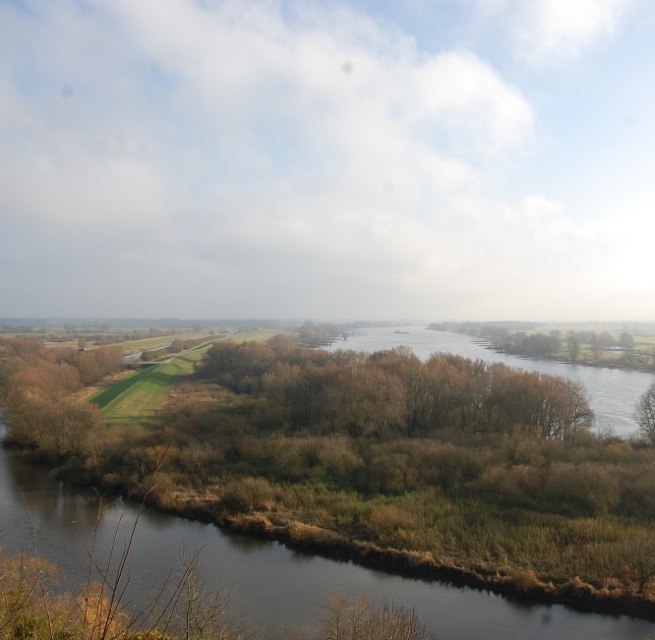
(246,495)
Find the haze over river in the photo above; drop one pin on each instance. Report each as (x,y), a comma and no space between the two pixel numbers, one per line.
(612,393)
(273,586)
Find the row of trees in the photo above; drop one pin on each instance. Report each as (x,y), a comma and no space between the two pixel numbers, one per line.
(573,345)
(176,346)
(393,392)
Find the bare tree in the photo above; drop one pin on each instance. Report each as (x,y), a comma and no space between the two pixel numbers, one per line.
(574,345)
(645,414)
(363,620)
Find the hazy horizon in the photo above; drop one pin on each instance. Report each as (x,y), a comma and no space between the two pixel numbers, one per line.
(459,160)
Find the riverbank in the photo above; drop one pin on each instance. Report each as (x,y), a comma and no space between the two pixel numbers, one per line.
(518,585)
(41,510)
(521,586)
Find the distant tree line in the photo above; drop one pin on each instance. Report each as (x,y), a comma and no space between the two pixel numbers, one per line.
(479,328)
(574,346)
(312,334)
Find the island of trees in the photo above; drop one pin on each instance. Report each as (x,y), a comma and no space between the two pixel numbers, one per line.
(449,468)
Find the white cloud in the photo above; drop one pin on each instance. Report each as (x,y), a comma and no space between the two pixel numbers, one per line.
(541,31)
(561,28)
(474,99)
(544,30)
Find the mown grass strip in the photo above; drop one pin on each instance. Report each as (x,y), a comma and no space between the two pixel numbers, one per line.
(136,397)
(105,396)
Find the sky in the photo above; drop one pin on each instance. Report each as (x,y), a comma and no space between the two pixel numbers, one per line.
(371,159)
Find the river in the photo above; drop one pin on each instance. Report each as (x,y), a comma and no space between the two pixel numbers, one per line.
(273,587)
(612,393)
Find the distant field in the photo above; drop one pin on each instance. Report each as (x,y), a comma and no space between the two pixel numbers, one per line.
(54,340)
(160,341)
(135,398)
(259,335)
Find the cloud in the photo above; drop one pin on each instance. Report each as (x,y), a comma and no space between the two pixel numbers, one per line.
(561,28)
(543,31)
(234,159)
(473,98)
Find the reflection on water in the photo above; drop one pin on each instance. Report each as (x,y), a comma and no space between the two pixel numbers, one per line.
(246,544)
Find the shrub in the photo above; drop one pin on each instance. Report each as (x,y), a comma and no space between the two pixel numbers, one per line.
(390,517)
(247,494)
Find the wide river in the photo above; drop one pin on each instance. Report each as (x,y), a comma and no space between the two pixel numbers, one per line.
(271,586)
(612,393)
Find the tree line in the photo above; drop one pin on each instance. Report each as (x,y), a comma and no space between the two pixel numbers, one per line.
(394,393)
(575,346)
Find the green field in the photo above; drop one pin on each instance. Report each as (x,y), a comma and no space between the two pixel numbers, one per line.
(135,398)
(58,338)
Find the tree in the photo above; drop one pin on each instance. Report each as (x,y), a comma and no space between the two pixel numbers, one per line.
(626,341)
(596,346)
(645,414)
(367,401)
(176,346)
(574,345)
(544,406)
(362,620)
(239,367)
